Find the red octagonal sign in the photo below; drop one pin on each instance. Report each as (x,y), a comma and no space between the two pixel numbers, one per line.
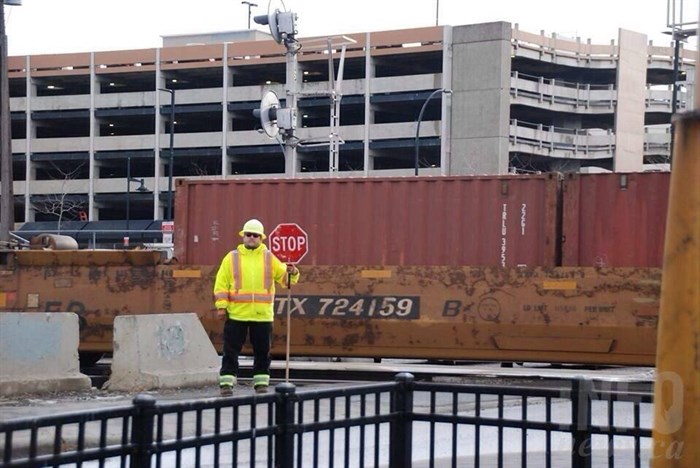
(289,242)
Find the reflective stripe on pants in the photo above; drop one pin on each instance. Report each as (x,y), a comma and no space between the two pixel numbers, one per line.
(227,380)
(261,379)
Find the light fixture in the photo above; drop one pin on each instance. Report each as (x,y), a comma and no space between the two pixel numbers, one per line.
(111,84)
(111,125)
(50,87)
(174,80)
(268,82)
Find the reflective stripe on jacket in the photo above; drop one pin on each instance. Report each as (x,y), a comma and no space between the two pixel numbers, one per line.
(245,283)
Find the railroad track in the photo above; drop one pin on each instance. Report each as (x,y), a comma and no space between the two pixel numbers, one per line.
(305,373)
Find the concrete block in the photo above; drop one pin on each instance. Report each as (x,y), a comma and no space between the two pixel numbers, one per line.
(158,351)
(39,353)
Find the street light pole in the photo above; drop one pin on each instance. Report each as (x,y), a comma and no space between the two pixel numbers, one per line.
(142,188)
(420,117)
(250,5)
(169,213)
(128,193)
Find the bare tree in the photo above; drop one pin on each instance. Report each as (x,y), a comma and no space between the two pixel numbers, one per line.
(197,170)
(62,204)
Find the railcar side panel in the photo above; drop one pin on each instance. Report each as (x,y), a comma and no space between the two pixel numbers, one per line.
(558,314)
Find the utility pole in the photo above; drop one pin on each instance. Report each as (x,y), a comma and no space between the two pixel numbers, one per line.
(7,205)
(680,30)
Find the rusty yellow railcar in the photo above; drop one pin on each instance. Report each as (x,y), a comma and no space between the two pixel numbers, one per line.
(549,314)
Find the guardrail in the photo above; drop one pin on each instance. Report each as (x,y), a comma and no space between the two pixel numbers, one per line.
(585,97)
(600,98)
(548,140)
(380,424)
(100,238)
(588,143)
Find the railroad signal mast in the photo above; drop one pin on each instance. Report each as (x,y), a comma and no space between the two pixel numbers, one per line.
(275,119)
(281,122)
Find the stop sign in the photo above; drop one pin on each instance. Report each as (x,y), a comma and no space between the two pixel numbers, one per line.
(289,242)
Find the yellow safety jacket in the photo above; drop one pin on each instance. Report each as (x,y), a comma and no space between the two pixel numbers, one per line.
(245,283)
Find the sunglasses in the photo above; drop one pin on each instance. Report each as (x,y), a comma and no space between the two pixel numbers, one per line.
(251,234)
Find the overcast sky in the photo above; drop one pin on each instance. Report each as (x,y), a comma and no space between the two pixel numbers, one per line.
(56,26)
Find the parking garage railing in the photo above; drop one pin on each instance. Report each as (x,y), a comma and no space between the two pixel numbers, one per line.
(551,91)
(562,142)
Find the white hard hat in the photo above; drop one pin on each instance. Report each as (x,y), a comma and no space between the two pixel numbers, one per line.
(254,226)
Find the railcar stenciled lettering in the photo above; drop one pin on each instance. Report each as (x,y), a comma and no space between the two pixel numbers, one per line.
(379,307)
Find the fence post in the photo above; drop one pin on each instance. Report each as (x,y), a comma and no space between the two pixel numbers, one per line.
(142,431)
(401,429)
(284,420)
(582,450)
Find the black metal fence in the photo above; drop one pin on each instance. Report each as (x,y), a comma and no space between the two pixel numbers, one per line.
(395,424)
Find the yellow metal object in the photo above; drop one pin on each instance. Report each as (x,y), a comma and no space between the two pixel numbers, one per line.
(677,391)
(375,274)
(187,273)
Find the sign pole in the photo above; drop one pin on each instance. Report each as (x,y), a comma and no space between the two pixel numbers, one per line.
(289,243)
(289,322)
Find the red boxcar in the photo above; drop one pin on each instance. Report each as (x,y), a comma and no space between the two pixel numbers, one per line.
(491,220)
(614,220)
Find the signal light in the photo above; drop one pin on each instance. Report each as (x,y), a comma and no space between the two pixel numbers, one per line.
(283,24)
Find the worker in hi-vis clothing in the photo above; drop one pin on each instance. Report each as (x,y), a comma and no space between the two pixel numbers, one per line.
(245,296)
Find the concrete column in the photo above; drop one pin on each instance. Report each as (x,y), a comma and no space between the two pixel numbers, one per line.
(369,116)
(29,134)
(446,109)
(631,94)
(225,117)
(480,99)
(94,131)
(158,210)
(692,88)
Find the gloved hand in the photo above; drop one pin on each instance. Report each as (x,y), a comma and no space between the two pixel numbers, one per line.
(291,269)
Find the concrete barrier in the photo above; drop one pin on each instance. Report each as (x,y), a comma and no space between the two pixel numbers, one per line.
(39,353)
(158,351)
